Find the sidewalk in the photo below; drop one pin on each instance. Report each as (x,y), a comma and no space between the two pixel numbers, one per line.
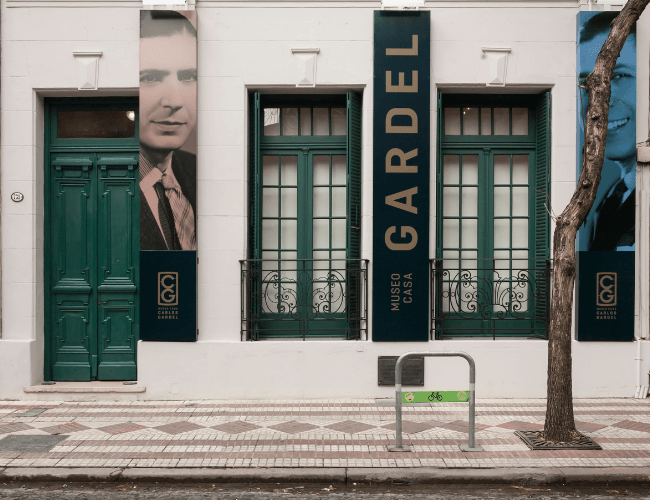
(130,436)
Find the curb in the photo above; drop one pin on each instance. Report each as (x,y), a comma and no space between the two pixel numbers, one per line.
(425,475)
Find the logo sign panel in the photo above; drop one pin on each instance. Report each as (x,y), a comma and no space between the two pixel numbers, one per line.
(401,154)
(610,225)
(168,298)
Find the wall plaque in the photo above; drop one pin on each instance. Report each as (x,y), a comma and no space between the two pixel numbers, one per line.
(412,370)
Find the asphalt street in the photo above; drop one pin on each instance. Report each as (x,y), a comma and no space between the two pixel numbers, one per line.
(130,491)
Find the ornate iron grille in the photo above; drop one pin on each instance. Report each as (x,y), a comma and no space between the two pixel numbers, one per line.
(490,298)
(307,298)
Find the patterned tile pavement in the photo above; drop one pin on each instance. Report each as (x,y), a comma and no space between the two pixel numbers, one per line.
(327,433)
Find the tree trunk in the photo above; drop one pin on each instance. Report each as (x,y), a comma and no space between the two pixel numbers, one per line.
(560,424)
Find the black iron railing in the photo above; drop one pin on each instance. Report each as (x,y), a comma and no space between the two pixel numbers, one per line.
(304,298)
(490,297)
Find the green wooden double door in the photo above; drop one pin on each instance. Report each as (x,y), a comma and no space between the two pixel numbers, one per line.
(92,254)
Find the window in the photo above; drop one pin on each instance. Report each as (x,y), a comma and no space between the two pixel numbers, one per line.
(491,272)
(304,277)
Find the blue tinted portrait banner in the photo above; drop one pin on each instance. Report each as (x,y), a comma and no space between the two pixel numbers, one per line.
(605,278)
(401,150)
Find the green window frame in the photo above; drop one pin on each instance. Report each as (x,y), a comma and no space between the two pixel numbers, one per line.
(304,237)
(492,269)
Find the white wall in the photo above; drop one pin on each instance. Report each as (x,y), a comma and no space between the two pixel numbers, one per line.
(245,48)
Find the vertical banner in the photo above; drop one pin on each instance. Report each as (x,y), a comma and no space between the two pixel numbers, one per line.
(605,287)
(401,151)
(168,108)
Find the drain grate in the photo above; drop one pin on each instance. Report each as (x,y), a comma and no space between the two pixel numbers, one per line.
(30,413)
(30,443)
(534,441)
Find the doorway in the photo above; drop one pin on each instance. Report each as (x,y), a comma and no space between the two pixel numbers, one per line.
(91,239)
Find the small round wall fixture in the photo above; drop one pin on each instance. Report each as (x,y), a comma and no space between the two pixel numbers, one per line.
(17,197)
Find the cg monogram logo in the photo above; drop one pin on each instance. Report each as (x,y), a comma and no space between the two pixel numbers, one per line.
(606,289)
(168,289)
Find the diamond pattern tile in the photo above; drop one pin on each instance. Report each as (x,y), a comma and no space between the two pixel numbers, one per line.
(30,443)
(411,427)
(293,427)
(179,427)
(350,427)
(518,425)
(632,425)
(589,426)
(462,426)
(15,427)
(121,428)
(65,428)
(235,427)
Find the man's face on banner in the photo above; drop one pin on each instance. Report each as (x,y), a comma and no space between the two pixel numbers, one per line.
(621,123)
(167,90)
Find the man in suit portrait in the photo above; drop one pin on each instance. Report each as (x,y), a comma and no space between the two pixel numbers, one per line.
(610,224)
(167,119)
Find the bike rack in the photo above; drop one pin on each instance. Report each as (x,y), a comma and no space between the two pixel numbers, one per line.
(398,446)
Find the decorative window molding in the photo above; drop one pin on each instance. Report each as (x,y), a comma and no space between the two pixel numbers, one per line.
(497,65)
(306,70)
(87,69)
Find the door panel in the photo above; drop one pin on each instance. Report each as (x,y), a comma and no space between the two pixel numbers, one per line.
(118,247)
(73,235)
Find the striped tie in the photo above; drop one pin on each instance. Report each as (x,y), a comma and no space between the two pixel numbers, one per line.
(183,214)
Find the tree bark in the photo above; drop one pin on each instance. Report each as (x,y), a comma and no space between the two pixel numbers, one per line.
(560,424)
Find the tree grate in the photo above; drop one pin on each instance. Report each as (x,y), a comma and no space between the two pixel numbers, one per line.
(534,441)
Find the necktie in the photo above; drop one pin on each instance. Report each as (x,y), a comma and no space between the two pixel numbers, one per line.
(608,219)
(166,217)
(183,214)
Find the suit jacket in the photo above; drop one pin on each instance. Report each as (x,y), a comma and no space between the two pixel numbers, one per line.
(614,227)
(184,168)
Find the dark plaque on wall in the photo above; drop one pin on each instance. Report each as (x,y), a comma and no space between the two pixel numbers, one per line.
(412,370)
(168,295)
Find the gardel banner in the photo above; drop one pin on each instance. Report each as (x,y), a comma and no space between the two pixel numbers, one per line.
(401,176)
(605,288)
(168,75)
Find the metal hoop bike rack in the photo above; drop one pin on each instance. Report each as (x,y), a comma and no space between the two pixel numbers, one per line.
(399,446)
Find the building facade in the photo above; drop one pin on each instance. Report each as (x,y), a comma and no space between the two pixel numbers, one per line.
(290,197)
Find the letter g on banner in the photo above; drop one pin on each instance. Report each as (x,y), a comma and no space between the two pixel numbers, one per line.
(401,246)
(606,289)
(167,289)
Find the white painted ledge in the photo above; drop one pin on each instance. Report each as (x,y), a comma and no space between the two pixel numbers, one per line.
(85,388)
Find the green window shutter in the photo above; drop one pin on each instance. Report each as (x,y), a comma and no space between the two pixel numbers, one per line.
(255,235)
(354,175)
(542,173)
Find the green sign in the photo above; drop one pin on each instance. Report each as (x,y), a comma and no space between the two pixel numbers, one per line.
(435,397)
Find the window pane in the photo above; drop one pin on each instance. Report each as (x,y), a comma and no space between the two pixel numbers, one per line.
(321,235)
(321,170)
(520,201)
(520,233)
(272,265)
(289,202)
(470,202)
(501,201)
(450,233)
(339,124)
(519,121)
(338,233)
(271,121)
(96,124)
(501,233)
(289,266)
(501,169)
(305,121)
(321,202)
(520,169)
(470,169)
(270,202)
(270,170)
(450,201)
(289,170)
(501,121)
(470,233)
(339,202)
(269,233)
(321,121)
(289,121)
(452,121)
(289,234)
(450,169)
(339,167)
(486,121)
(470,121)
